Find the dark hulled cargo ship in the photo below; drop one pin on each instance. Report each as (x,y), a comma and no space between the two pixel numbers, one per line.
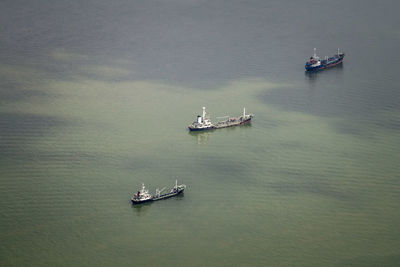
(204,123)
(315,63)
(143,195)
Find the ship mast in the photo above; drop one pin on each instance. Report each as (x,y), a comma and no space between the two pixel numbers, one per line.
(143,187)
(244,112)
(204,113)
(315,53)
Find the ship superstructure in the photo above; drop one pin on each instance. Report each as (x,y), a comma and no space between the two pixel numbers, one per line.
(204,123)
(315,63)
(142,196)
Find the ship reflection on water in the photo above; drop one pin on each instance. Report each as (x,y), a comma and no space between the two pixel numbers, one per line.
(201,136)
(333,73)
(141,209)
(312,75)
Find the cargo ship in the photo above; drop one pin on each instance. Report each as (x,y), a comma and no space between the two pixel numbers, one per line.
(315,63)
(204,123)
(143,194)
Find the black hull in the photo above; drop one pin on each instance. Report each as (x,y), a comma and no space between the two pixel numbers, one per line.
(219,126)
(142,201)
(200,129)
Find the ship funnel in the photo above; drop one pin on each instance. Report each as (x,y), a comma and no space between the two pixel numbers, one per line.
(199,119)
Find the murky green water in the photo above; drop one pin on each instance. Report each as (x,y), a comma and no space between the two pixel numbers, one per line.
(96,99)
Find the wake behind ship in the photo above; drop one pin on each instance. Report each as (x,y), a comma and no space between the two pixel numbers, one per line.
(204,123)
(315,63)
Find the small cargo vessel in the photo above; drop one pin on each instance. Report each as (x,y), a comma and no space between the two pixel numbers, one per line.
(143,194)
(315,63)
(204,123)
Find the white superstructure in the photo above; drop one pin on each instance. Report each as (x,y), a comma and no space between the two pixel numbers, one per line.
(203,122)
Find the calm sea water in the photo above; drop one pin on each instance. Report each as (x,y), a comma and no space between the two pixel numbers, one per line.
(95,98)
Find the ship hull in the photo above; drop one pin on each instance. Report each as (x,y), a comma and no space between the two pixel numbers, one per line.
(325,66)
(168,195)
(193,129)
(220,125)
(225,125)
(135,202)
(164,196)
